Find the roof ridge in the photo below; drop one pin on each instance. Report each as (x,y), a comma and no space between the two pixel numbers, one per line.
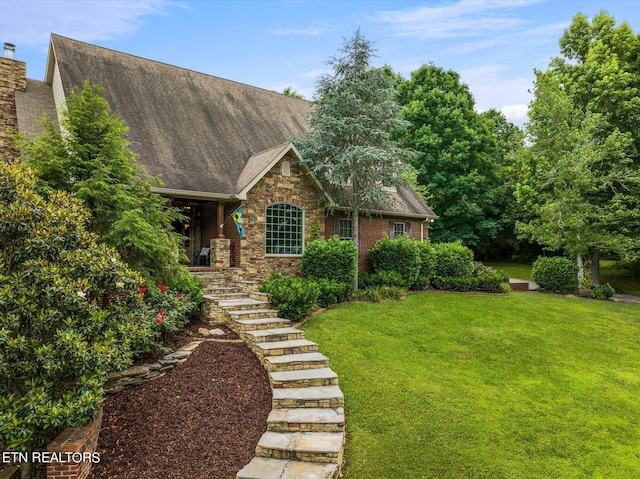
(91,45)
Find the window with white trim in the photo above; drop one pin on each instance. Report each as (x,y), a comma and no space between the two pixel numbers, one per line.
(398,229)
(345,229)
(284,229)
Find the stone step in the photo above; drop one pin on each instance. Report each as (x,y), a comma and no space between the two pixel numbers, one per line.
(325,447)
(303,378)
(276,334)
(290,362)
(267,468)
(242,304)
(306,420)
(256,324)
(281,348)
(217,296)
(252,314)
(312,397)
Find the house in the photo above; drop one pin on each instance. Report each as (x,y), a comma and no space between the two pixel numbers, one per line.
(222,148)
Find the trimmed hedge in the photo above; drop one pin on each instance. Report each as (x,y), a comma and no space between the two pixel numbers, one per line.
(330,259)
(294,298)
(452,260)
(400,255)
(555,274)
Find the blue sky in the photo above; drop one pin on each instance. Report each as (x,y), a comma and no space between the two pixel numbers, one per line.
(493,44)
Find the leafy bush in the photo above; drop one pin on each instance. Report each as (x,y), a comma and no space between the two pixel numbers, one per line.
(492,282)
(190,286)
(603,291)
(400,255)
(169,309)
(379,293)
(452,283)
(427,265)
(330,259)
(452,260)
(382,278)
(332,292)
(294,298)
(555,274)
(69,313)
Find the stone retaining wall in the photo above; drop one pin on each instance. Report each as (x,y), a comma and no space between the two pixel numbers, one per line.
(137,375)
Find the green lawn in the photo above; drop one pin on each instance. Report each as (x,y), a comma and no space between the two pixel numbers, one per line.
(609,273)
(523,385)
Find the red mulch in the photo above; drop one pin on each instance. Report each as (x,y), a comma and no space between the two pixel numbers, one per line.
(202,419)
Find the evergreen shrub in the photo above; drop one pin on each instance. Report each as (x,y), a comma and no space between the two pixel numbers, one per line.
(555,274)
(294,298)
(453,260)
(400,255)
(330,259)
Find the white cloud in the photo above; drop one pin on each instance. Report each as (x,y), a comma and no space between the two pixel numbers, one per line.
(516,114)
(30,23)
(307,31)
(463,18)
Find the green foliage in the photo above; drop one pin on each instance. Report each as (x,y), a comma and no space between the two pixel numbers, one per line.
(331,259)
(93,161)
(603,291)
(294,298)
(169,309)
(332,292)
(69,312)
(453,260)
(189,285)
(400,255)
(377,294)
(427,265)
(382,278)
(454,283)
(455,155)
(349,145)
(555,274)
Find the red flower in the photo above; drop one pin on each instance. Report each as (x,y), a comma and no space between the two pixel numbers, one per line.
(143,290)
(159,319)
(178,295)
(161,312)
(164,287)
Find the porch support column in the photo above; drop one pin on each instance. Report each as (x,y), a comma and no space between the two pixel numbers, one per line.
(220,219)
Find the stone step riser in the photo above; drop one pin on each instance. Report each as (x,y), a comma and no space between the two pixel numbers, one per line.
(304,383)
(284,351)
(302,446)
(258,325)
(287,403)
(250,314)
(266,468)
(274,335)
(305,427)
(294,365)
(246,307)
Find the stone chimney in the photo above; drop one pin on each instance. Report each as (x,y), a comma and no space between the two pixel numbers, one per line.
(13,77)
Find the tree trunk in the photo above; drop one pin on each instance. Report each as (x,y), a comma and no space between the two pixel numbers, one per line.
(355,235)
(25,470)
(580,270)
(595,267)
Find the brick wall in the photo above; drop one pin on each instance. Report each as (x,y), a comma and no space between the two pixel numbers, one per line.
(296,189)
(13,76)
(79,443)
(372,230)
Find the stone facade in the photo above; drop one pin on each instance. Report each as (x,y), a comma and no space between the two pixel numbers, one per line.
(12,78)
(296,189)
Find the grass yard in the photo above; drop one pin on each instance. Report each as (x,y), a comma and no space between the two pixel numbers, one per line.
(609,273)
(523,385)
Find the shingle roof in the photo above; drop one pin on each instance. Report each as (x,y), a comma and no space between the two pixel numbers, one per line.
(206,136)
(196,130)
(31,106)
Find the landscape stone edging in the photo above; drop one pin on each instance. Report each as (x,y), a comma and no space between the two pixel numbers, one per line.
(144,373)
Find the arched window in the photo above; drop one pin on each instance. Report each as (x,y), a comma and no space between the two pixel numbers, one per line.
(285,229)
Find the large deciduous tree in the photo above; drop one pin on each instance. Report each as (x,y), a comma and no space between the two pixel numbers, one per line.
(89,156)
(455,160)
(579,181)
(349,145)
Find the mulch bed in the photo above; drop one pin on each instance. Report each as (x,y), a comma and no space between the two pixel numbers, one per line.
(202,419)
